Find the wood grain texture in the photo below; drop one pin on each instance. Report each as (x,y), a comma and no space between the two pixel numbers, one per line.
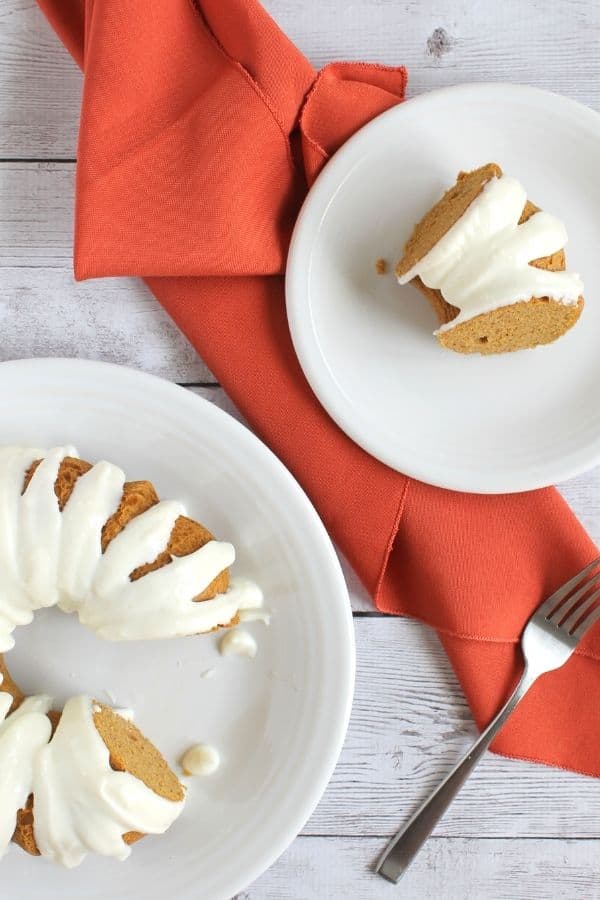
(40,86)
(550,44)
(36,214)
(44,313)
(447,869)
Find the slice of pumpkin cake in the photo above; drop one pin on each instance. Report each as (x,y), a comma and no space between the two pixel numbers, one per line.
(84,780)
(492,266)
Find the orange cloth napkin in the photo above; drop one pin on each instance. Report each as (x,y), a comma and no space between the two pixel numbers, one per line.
(201,128)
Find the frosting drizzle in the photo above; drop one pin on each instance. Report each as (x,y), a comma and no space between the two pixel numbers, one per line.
(22,734)
(51,557)
(483,261)
(84,806)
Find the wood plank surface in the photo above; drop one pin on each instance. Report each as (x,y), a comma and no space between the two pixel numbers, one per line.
(44,313)
(447,869)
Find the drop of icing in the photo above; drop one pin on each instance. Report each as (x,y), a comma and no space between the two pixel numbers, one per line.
(238,642)
(208,673)
(201,759)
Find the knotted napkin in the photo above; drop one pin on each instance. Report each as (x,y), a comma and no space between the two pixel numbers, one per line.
(202,127)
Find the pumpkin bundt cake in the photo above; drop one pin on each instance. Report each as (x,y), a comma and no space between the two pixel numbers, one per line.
(78,536)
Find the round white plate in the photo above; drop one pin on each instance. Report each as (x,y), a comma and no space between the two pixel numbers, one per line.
(486,424)
(279,720)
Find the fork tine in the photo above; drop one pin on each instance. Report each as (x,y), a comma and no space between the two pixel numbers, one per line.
(582,610)
(587,623)
(555,600)
(569,603)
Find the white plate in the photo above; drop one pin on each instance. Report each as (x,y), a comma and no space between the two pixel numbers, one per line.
(484,424)
(279,720)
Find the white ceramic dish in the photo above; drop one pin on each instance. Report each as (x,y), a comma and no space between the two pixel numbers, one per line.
(485,424)
(278,720)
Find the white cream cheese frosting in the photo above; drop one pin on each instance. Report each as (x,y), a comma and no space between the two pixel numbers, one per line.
(49,557)
(201,759)
(22,735)
(256,615)
(84,806)
(238,642)
(482,262)
(81,804)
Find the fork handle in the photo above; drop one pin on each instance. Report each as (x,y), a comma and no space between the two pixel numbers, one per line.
(403,848)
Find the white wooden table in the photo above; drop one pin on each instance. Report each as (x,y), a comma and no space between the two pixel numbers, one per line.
(516,830)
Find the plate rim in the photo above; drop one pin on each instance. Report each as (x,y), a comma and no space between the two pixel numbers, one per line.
(338,598)
(314,364)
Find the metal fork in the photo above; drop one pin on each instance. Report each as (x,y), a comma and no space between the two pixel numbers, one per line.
(549,639)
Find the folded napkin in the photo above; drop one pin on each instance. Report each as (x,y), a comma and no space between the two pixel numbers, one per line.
(201,128)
